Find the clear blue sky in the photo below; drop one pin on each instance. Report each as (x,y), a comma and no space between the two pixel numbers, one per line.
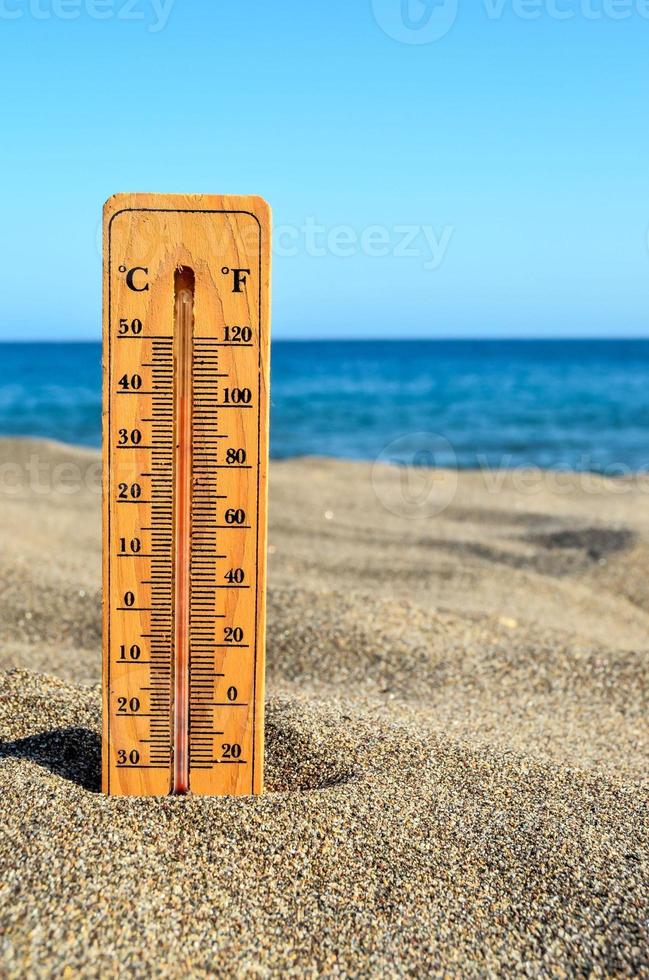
(514,148)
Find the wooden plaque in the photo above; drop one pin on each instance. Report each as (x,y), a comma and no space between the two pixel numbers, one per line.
(185,451)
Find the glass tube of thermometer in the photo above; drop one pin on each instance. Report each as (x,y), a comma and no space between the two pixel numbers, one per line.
(184,328)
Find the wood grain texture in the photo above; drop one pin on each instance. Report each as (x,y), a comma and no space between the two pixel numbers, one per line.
(213,236)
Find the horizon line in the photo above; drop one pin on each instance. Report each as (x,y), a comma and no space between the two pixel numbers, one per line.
(581,338)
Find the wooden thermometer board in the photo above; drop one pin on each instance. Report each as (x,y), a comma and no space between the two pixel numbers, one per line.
(185,449)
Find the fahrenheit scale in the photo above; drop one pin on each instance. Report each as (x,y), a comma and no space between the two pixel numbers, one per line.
(185,449)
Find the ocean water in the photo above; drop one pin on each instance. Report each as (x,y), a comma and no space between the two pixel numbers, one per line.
(554,404)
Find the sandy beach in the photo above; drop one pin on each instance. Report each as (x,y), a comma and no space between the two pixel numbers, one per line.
(457,739)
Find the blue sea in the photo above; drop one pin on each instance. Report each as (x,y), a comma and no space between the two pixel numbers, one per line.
(554,404)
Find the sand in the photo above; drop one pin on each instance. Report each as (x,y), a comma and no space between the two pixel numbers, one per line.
(457,740)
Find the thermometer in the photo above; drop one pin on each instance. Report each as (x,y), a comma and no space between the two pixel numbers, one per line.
(185,459)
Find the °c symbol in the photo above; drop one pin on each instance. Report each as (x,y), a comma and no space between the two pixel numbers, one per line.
(137,286)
